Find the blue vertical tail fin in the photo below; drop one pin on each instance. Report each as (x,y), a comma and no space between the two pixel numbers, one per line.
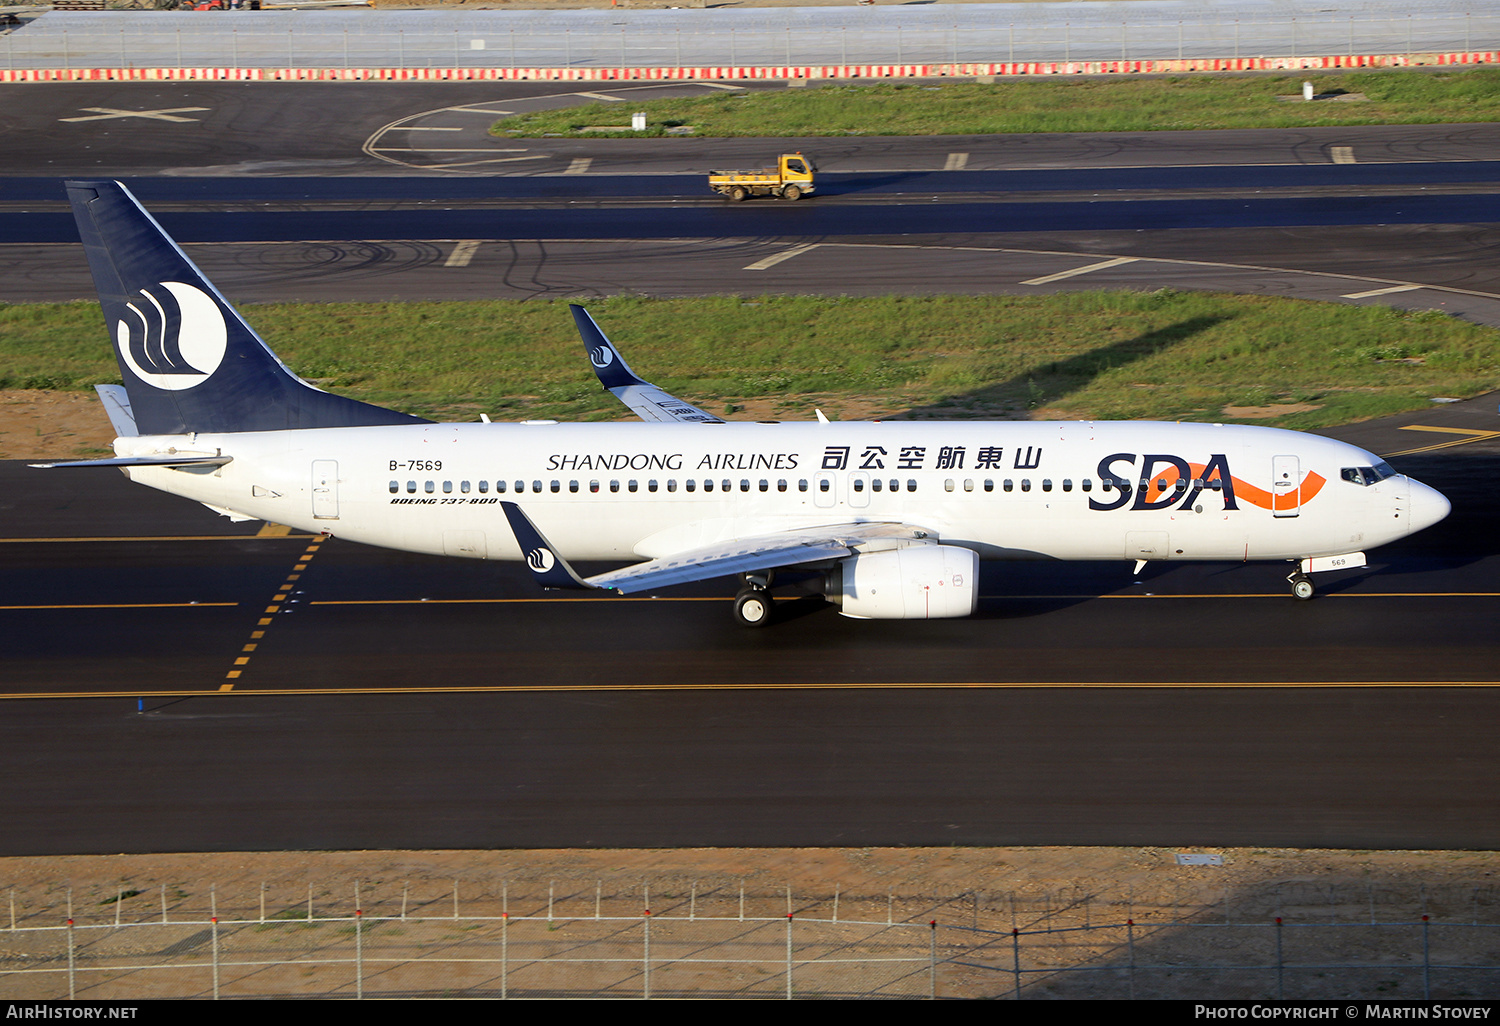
(188,359)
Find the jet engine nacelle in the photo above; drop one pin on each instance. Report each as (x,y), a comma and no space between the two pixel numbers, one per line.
(919,582)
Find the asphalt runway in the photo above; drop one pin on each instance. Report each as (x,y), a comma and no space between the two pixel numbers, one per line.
(405,701)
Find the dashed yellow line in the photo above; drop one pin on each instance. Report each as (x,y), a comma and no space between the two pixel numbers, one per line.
(283,592)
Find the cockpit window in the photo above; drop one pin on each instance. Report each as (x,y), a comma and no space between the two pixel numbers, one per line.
(1368,475)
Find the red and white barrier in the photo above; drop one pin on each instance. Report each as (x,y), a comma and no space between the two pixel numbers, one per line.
(745,73)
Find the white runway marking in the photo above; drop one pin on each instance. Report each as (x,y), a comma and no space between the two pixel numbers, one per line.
(786,254)
(478,110)
(105,113)
(956,162)
(579,166)
(462,253)
(602,96)
(1100,266)
(422,128)
(1381,292)
(429,149)
(1341,154)
(720,85)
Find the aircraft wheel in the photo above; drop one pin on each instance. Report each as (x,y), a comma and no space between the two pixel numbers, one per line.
(792,193)
(752,607)
(738,194)
(1302,588)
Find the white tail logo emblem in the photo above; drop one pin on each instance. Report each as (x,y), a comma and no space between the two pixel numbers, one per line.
(601,356)
(176,339)
(540,560)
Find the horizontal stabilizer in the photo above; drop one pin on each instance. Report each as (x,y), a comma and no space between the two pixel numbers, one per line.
(140,461)
(644,399)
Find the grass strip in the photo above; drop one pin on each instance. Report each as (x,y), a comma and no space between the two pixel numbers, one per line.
(1087,355)
(1122,104)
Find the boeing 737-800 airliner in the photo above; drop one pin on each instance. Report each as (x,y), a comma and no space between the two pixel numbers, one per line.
(887,520)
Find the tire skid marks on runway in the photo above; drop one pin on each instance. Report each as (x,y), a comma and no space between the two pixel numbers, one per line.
(278,604)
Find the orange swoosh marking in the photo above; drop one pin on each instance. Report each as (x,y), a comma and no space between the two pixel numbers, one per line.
(1311,485)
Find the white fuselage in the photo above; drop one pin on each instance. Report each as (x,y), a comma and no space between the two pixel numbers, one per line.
(628,491)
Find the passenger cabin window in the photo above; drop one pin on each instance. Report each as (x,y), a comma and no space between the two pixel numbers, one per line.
(614,486)
(1025,484)
(708,485)
(593,486)
(875,485)
(411,486)
(781,485)
(447,487)
(802,485)
(671,484)
(651,485)
(633,485)
(1087,484)
(463,486)
(1046,484)
(536,486)
(948,484)
(1067,484)
(989,484)
(484,487)
(428,486)
(395,487)
(1010,485)
(911,484)
(690,484)
(556,486)
(968,484)
(572,486)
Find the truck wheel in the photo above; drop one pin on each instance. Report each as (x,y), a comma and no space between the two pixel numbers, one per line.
(792,193)
(738,194)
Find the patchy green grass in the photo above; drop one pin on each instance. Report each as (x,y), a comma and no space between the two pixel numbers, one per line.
(1054,105)
(1094,355)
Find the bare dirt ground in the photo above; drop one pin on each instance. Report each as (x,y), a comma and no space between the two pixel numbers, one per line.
(1199,931)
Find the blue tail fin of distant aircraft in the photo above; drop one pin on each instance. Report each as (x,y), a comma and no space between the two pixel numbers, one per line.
(189,361)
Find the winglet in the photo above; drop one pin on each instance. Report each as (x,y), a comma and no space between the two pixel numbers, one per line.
(644,399)
(548,568)
(611,367)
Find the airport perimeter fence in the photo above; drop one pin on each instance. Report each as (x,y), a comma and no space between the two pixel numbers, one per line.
(808,37)
(521,941)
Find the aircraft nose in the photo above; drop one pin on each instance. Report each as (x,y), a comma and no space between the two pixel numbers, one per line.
(1428,506)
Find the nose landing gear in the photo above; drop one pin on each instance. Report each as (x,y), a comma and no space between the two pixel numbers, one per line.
(1302,586)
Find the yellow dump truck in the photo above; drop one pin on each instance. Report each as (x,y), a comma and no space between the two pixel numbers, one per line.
(791,178)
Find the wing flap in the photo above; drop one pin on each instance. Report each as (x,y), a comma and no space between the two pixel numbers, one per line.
(747,555)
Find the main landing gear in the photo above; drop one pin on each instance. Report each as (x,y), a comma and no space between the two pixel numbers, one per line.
(753,605)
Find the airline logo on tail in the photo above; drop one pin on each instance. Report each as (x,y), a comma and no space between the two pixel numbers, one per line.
(174,336)
(601,356)
(540,560)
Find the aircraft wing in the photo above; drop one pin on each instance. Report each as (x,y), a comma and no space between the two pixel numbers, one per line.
(646,400)
(745,555)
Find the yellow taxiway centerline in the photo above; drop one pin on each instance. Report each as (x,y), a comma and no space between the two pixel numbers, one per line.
(793,686)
